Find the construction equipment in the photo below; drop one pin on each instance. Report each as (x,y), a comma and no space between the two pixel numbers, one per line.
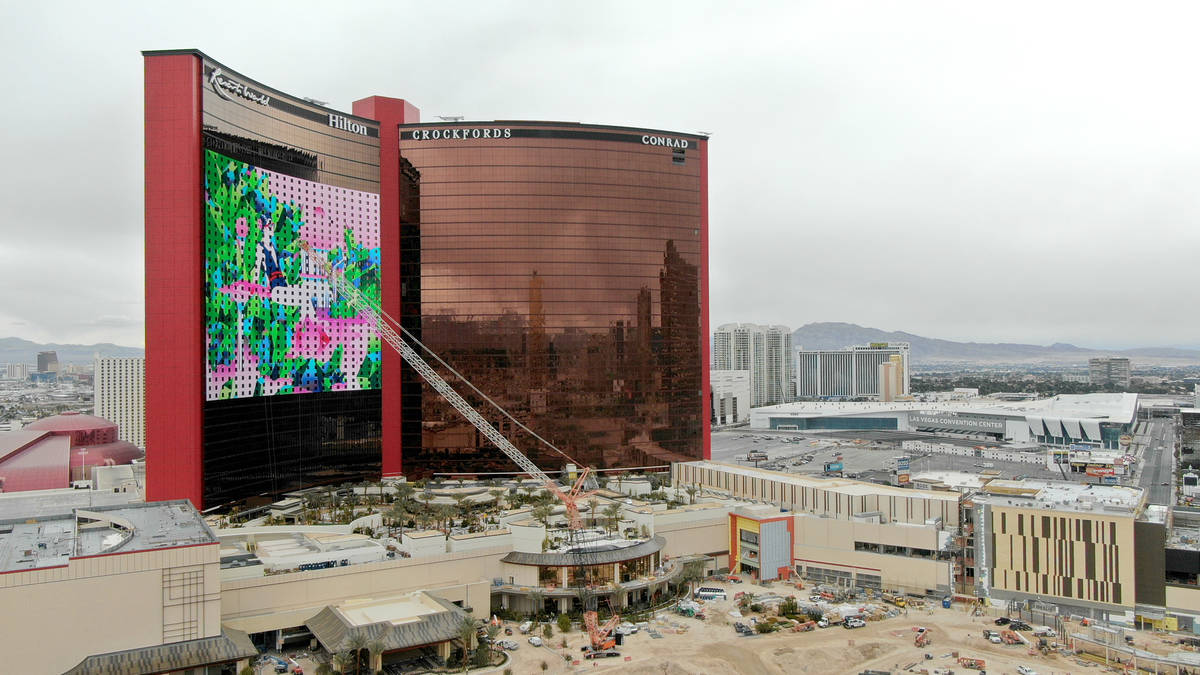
(974,664)
(1009,637)
(895,599)
(804,627)
(600,635)
(390,330)
(922,640)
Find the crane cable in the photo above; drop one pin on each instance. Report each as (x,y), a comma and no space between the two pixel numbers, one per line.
(463,379)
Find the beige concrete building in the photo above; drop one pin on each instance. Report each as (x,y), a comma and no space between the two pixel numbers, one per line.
(129,588)
(838,498)
(843,531)
(1070,544)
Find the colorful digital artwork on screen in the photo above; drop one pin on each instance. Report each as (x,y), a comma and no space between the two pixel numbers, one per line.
(274,324)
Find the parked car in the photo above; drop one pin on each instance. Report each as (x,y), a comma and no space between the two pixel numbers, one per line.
(1026,670)
(1003,621)
(995,639)
(524,628)
(1019,625)
(510,645)
(535,641)
(854,622)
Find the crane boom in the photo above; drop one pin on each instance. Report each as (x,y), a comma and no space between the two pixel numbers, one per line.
(412,358)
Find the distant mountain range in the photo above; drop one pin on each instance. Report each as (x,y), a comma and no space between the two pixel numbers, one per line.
(836,335)
(16,350)
(823,335)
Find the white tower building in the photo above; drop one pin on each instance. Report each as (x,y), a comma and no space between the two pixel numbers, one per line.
(120,385)
(765,352)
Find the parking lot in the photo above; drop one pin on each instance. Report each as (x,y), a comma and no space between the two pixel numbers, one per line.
(861,452)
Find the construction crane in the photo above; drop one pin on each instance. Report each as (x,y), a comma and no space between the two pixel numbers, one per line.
(388,326)
(601,636)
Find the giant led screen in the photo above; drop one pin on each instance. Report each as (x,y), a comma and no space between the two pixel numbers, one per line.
(274,325)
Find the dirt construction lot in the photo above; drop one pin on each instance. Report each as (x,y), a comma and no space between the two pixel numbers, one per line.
(691,646)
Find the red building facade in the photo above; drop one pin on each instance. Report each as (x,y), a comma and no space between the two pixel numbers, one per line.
(562,267)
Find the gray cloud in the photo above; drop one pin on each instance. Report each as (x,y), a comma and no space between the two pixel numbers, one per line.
(1021,172)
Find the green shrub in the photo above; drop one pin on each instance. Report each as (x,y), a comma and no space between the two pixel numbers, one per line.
(564,623)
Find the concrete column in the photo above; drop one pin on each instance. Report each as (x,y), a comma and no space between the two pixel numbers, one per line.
(443,650)
(377,663)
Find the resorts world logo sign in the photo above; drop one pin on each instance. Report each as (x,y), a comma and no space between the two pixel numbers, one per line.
(227,88)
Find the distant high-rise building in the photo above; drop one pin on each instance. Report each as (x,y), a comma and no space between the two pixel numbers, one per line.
(892,378)
(17,371)
(47,362)
(765,352)
(1109,370)
(853,372)
(120,385)
(730,396)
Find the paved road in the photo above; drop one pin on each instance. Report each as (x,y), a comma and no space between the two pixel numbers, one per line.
(1158,462)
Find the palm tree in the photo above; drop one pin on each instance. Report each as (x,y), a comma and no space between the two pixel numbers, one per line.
(692,490)
(445,513)
(587,598)
(693,571)
(537,598)
(620,596)
(404,492)
(459,500)
(543,512)
(466,634)
(374,650)
(593,504)
(498,494)
(612,516)
(342,661)
(357,643)
(399,514)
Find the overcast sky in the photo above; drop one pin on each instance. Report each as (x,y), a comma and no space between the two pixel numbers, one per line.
(970,171)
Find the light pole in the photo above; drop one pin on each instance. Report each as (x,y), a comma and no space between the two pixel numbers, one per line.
(82,462)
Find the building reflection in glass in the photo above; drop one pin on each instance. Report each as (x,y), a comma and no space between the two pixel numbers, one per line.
(560,272)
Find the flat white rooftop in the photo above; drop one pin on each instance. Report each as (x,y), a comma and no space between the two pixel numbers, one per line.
(953,479)
(1063,495)
(395,609)
(1117,408)
(842,485)
(51,538)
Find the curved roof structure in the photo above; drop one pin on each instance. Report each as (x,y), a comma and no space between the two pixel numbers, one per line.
(71,421)
(591,557)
